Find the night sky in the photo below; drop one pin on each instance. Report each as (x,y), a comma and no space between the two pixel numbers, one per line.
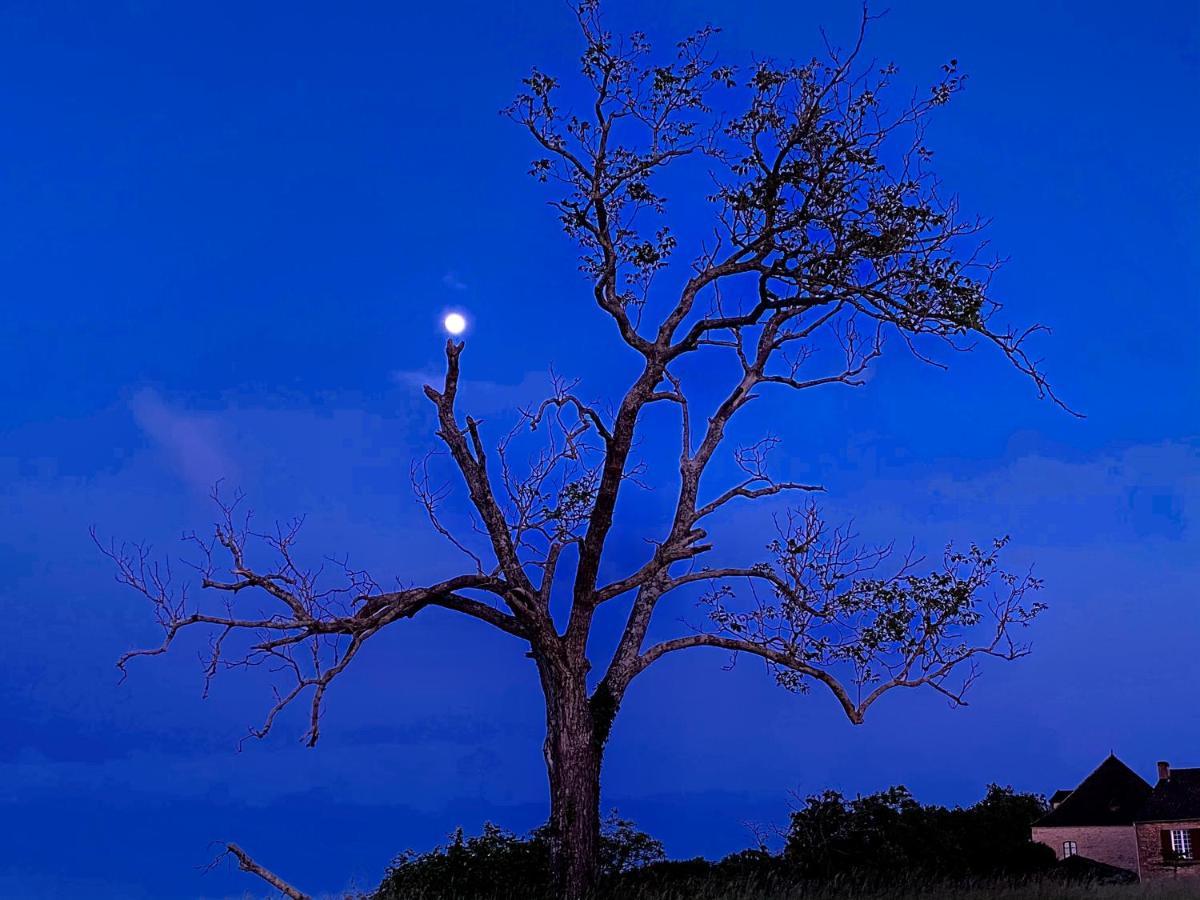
(227,235)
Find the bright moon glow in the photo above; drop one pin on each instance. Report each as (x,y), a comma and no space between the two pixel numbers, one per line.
(455,323)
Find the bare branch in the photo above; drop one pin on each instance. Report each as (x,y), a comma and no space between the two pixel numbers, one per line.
(328,623)
(431,498)
(246,864)
(832,620)
(770,654)
(466,448)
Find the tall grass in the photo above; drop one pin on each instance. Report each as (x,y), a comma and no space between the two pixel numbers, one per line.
(1028,889)
(1047,889)
(903,889)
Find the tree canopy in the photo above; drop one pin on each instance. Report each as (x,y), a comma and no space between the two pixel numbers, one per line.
(828,237)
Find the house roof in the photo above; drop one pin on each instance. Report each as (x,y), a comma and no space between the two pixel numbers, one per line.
(1060,796)
(1113,794)
(1175,797)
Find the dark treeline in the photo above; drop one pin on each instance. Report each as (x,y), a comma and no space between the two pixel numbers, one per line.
(865,841)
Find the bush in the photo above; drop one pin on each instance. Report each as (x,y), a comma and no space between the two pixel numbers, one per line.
(468,868)
(499,865)
(834,847)
(880,836)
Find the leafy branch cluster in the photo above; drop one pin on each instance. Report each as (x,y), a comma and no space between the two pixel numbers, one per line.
(826,604)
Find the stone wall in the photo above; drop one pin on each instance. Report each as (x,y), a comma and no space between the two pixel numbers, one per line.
(1115,845)
(1149,843)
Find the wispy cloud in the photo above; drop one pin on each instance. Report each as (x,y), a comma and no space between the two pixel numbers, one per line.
(452,281)
(191,440)
(1134,493)
(1143,498)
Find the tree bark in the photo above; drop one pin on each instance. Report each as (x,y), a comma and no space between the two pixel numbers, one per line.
(246,864)
(573,751)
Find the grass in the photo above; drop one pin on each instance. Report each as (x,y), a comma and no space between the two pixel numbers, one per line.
(1030,889)
(1047,889)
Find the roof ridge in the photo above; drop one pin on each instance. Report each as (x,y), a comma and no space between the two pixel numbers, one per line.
(1176,798)
(1112,793)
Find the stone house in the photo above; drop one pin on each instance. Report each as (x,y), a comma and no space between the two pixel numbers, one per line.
(1095,820)
(1116,817)
(1168,827)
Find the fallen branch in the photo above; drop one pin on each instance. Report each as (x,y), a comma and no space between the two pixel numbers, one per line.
(248,865)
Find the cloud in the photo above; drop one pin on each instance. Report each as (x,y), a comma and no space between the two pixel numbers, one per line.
(1137,493)
(191,440)
(1129,503)
(452,281)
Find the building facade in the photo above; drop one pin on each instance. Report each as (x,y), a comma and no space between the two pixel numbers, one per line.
(1095,820)
(1117,818)
(1168,827)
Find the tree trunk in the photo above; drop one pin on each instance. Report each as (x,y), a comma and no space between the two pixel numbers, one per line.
(573,753)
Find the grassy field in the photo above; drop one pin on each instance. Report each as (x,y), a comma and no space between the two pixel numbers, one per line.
(1029,890)
(1048,889)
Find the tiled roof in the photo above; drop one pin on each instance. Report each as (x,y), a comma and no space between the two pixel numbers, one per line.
(1173,798)
(1113,794)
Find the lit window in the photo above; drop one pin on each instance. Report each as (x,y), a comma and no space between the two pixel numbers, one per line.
(1070,848)
(1181,844)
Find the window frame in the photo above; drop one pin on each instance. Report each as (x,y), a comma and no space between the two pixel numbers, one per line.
(1181,843)
(1069,849)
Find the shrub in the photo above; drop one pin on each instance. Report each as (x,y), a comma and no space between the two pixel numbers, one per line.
(500,865)
(835,848)
(888,833)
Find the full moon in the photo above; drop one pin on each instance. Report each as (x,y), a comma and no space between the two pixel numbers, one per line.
(455,323)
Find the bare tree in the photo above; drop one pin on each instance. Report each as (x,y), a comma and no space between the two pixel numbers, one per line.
(828,232)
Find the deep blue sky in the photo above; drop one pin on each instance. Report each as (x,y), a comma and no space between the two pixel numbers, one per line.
(226,234)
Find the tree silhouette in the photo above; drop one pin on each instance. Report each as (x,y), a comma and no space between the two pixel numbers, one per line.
(828,232)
